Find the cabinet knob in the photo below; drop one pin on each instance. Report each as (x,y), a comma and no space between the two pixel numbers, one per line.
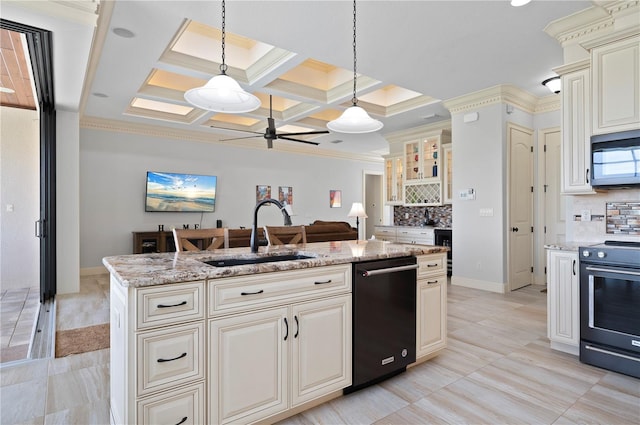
(514,229)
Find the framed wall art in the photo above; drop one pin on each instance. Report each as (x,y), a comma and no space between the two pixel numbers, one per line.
(335,198)
(285,195)
(262,192)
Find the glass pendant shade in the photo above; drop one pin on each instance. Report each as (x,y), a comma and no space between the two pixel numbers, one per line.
(354,120)
(554,84)
(222,94)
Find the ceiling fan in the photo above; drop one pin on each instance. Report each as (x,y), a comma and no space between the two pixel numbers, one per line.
(271,134)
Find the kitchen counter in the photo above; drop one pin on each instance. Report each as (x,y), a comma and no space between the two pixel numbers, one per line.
(565,246)
(142,270)
(392,226)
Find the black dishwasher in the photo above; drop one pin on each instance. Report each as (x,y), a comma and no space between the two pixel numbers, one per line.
(384,319)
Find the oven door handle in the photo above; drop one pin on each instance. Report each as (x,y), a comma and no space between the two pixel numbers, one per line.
(367,273)
(600,269)
(591,301)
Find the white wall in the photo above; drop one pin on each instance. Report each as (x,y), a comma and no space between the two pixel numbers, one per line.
(113,170)
(67,202)
(478,163)
(19,188)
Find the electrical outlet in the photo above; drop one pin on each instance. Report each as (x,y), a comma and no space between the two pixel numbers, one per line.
(586,215)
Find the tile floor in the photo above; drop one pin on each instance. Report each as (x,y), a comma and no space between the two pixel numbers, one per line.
(497,369)
(18,313)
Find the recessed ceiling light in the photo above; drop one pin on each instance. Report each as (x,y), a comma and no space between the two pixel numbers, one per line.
(99,95)
(518,3)
(123,32)
(6,90)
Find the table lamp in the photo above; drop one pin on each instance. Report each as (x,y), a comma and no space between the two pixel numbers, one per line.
(357,211)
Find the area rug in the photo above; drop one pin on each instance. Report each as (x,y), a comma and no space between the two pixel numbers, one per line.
(82,340)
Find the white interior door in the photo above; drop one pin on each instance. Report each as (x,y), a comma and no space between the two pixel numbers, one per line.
(520,239)
(554,205)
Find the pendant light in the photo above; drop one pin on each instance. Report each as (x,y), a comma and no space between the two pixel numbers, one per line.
(354,119)
(222,93)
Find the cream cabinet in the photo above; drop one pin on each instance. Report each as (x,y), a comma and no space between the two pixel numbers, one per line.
(616,85)
(230,350)
(415,235)
(431,308)
(423,174)
(277,340)
(447,174)
(393,180)
(385,233)
(563,300)
(157,353)
(576,134)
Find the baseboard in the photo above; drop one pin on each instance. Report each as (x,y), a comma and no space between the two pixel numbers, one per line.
(479,284)
(92,271)
(565,348)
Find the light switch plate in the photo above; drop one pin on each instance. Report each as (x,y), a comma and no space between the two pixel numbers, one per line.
(586,215)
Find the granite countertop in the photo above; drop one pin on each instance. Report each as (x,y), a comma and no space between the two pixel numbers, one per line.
(565,246)
(141,270)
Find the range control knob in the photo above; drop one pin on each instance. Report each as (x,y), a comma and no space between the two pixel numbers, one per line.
(586,253)
(602,254)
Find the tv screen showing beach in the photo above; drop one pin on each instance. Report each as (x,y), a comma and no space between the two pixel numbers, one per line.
(180,192)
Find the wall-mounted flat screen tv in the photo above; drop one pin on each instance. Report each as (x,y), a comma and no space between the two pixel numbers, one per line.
(178,192)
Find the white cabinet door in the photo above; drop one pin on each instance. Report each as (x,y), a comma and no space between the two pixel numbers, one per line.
(431,314)
(563,308)
(248,377)
(393,180)
(321,348)
(385,233)
(447,174)
(576,148)
(616,86)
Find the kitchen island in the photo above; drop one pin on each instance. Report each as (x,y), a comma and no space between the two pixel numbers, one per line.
(247,343)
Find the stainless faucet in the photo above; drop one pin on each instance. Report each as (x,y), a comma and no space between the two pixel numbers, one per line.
(254,227)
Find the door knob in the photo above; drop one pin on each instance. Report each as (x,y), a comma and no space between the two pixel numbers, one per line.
(514,229)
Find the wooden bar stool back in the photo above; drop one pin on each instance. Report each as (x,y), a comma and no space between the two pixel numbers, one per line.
(282,235)
(201,239)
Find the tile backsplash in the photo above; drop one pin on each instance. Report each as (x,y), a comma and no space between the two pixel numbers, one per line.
(416,216)
(623,218)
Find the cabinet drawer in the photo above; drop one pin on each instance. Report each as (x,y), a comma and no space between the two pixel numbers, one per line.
(429,265)
(170,357)
(268,289)
(184,406)
(417,236)
(169,304)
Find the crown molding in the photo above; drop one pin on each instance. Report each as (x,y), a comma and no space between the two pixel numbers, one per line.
(611,37)
(427,130)
(579,25)
(498,94)
(549,103)
(571,67)
(116,126)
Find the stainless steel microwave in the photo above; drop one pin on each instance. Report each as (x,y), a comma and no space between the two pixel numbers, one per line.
(615,160)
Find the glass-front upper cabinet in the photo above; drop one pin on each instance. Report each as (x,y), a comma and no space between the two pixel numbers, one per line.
(421,160)
(393,180)
(447,174)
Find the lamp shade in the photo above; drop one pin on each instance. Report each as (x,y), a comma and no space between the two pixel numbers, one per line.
(357,210)
(354,120)
(222,94)
(553,84)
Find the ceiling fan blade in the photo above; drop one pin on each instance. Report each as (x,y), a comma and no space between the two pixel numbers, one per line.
(235,129)
(280,136)
(306,132)
(242,138)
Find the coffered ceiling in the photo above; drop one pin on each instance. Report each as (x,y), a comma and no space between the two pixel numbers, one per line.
(411,56)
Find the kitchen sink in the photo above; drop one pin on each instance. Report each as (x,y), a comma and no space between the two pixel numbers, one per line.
(228,262)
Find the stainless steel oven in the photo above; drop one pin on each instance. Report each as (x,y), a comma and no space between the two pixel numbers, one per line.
(610,306)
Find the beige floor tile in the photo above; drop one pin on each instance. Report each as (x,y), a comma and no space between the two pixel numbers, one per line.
(23,371)
(23,402)
(420,381)
(77,388)
(96,413)
(79,361)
